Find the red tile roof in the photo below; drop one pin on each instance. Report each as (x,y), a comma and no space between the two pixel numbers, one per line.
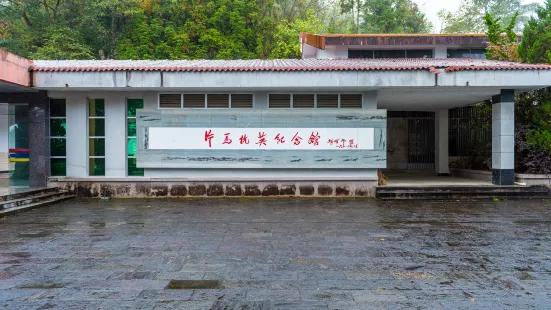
(427,64)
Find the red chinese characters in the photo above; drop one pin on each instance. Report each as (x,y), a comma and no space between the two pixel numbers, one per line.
(209,136)
(279,138)
(314,139)
(244,139)
(227,139)
(296,139)
(261,139)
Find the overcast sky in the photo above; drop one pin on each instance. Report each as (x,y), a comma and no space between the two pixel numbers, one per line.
(431,7)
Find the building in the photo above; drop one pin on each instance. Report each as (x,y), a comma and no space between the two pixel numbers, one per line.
(255,127)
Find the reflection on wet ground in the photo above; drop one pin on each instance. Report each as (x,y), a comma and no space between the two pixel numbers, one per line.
(277,254)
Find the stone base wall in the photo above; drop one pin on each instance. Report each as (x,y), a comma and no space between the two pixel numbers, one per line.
(534,179)
(146,189)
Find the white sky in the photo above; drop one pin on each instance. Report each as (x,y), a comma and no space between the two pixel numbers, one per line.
(431,7)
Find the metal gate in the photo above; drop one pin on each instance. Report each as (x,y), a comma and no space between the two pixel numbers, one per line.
(420,138)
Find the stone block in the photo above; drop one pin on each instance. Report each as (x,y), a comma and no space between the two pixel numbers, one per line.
(159,190)
(306,190)
(325,190)
(342,191)
(270,190)
(178,190)
(197,190)
(252,190)
(288,190)
(233,190)
(215,190)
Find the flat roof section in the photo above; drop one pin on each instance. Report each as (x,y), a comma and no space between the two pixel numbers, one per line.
(374,39)
(14,72)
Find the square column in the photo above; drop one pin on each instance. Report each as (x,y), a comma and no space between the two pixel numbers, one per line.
(503,138)
(441,163)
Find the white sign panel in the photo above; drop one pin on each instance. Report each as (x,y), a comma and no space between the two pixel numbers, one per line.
(183,138)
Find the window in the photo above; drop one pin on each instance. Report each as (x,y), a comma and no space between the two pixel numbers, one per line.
(58,138)
(170,101)
(328,101)
(241,101)
(466,53)
(279,101)
(427,53)
(304,101)
(194,100)
(218,101)
(320,101)
(96,137)
(131,106)
(351,101)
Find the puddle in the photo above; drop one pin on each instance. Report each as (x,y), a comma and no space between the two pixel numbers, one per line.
(35,235)
(43,285)
(193,285)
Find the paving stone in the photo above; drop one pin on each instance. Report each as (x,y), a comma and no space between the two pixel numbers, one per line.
(278,253)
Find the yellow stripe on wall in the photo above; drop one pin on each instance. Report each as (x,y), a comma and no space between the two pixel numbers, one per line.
(19,160)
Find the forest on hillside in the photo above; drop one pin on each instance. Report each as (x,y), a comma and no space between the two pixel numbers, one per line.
(215,29)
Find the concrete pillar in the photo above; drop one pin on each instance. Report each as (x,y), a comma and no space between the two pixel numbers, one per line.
(115,133)
(39,146)
(441,164)
(503,138)
(77,134)
(369,100)
(440,51)
(4,137)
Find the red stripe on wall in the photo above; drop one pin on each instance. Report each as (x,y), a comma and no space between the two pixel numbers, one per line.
(19,150)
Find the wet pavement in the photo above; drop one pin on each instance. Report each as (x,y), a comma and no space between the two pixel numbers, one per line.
(277,254)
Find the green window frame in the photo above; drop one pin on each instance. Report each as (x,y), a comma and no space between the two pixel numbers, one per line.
(132,104)
(96,137)
(58,137)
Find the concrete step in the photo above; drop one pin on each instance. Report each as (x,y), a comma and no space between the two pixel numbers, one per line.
(459,192)
(41,203)
(28,193)
(31,199)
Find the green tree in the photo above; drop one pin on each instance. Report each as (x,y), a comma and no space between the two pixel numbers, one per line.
(62,43)
(469,18)
(536,39)
(286,36)
(502,41)
(386,16)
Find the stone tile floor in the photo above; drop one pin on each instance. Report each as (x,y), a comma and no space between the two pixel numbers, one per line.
(278,254)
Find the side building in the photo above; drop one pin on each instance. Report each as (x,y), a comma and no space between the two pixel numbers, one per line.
(127,128)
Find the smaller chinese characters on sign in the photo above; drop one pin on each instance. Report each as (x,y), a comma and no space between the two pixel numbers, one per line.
(176,138)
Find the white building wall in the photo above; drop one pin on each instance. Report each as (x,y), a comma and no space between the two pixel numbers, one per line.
(115,143)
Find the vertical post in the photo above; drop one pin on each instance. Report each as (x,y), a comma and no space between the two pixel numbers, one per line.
(503,138)
(4,143)
(39,131)
(441,146)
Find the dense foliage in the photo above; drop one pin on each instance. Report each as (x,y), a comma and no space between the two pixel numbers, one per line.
(536,38)
(190,29)
(469,18)
(502,41)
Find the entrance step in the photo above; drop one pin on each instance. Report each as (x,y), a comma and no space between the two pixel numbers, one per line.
(32,198)
(461,192)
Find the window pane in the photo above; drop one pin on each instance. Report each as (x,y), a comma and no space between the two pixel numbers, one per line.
(58,167)
(360,54)
(133,105)
(96,107)
(58,127)
(58,147)
(390,54)
(57,107)
(96,147)
(131,127)
(96,127)
(132,170)
(97,166)
(419,53)
(131,146)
